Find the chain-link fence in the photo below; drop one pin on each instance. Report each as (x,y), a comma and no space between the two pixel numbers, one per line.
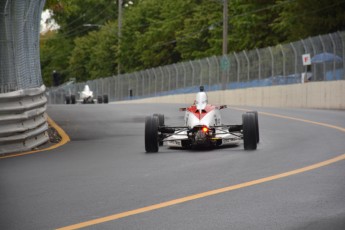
(19,44)
(279,65)
(23,123)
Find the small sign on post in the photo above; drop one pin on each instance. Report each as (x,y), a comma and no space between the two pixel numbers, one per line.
(306,62)
(306,59)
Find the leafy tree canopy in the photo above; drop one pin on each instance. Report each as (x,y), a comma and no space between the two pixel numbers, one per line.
(156,32)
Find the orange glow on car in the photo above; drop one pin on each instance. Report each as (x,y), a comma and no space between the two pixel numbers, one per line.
(204,129)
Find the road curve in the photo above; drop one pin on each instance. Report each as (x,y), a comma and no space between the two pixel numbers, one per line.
(103,179)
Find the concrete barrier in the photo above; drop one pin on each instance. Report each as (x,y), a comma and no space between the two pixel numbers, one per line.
(318,95)
(23,124)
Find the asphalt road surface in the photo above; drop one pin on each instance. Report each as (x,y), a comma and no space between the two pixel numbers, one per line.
(104,171)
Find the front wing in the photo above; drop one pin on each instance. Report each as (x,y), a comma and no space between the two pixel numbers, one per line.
(223,137)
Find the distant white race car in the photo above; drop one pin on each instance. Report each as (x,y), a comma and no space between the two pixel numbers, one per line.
(86,97)
(202,128)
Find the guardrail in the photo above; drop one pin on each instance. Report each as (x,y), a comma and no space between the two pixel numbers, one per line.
(23,124)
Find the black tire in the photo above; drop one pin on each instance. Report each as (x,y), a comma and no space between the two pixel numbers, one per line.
(151,134)
(73,100)
(257,125)
(99,100)
(160,123)
(160,119)
(249,131)
(68,100)
(105,99)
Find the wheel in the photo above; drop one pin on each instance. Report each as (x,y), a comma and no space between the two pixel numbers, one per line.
(249,131)
(160,118)
(160,123)
(67,99)
(151,134)
(99,100)
(105,99)
(73,100)
(257,125)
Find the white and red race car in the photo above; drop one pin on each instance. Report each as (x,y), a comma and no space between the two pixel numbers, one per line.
(202,128)
(86,97)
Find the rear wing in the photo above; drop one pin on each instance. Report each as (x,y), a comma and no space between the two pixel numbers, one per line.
(218,107)
(222,107)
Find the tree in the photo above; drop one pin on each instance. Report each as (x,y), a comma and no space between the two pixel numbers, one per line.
(201,34)
(250,22)
(94,55)
(72,16)
(302,18)
(149,34)
(54,51)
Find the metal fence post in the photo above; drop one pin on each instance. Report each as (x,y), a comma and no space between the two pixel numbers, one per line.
(248,65)
(295,53)
(284,60)
(238,67)
(155,79)
(218,70)
(136,92)
(184,75)
(342,38)
(323,64)
(209,72)
(259,60)
(200,76)
(334,52)
(162,81)
(142,83)
(176,76)
(272,59)
(191,64)
(169,74)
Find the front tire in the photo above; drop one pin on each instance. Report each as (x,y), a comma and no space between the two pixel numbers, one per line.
(257,125)
(151,134)
(160,123)
(105,99)
(249,131)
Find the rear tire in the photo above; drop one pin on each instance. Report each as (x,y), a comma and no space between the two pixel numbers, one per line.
(68,100)
(257,125)
(99,100)
(151,134)
(249,131)
(73,100)
(105,99)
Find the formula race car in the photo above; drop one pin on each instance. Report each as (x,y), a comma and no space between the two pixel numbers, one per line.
(202,128)
(86,97)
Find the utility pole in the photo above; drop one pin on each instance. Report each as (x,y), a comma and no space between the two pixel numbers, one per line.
(225,40)
(119,37)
